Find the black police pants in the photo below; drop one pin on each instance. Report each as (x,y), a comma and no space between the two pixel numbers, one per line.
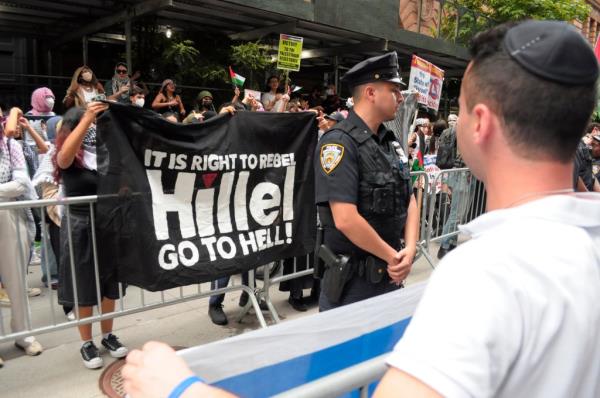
(357,289)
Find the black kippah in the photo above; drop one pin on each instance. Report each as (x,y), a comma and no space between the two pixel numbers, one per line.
(552,50)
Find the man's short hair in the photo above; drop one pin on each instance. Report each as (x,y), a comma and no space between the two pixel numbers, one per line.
(542,119)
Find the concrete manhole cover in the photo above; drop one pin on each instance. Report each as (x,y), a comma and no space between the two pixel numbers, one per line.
(111,382)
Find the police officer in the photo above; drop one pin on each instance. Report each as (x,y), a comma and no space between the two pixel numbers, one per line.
(363,189)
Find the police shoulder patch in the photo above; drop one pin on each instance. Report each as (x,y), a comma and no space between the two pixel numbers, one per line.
(331,156)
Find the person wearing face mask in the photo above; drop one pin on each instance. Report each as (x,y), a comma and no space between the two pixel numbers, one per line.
(83,89)
(117,88)
(42,104)
(204,108)
(137,97)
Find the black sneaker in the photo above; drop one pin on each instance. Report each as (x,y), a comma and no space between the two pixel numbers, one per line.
(443,251)
(114,346)
(244,299)
(91,356)
(298,304)
(217,316)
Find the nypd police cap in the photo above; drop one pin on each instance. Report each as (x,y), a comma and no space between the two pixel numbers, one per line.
(553,51)
(382,68)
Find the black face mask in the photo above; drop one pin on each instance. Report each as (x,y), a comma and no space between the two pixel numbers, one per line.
(206,103)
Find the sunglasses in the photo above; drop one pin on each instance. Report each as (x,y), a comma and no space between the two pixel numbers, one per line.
(121,71)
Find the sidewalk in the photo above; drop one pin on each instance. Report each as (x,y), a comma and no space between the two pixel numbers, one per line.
(59,372)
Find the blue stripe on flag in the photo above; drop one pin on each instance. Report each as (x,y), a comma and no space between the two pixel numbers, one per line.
(292,373)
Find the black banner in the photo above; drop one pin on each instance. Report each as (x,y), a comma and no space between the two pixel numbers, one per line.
(190,203)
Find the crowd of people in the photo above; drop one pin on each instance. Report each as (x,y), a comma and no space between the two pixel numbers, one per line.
(47,156)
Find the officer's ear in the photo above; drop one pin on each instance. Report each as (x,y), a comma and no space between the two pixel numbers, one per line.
(369,91)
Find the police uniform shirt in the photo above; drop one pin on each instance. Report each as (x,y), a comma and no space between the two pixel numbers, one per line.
(336,162)
(516,322)
(337,170)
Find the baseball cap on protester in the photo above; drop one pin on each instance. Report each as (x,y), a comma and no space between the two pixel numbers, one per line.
(336,116)
(553,51)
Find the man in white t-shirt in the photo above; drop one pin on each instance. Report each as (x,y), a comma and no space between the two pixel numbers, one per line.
(515,311)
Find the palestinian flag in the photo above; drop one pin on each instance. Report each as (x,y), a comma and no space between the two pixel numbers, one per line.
(417,164)
(236,79)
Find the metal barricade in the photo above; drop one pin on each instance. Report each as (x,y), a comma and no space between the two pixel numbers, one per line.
(123,307)
(358,377)
(456,197)
(435,198)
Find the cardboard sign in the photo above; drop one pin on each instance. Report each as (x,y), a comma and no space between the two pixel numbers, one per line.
(427,79)
(290,52)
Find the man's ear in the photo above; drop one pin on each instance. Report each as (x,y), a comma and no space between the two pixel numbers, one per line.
(485,123)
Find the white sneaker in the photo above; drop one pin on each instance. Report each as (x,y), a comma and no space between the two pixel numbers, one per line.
(35,259)
(30,345)
(33,291)
(71,316)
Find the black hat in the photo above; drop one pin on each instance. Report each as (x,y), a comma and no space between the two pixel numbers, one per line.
(383,68)
(552,50)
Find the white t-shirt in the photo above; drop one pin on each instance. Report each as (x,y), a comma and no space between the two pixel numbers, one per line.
(266,98)
(515,311)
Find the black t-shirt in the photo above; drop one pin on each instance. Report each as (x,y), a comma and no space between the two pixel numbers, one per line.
(79,181)
(583,166)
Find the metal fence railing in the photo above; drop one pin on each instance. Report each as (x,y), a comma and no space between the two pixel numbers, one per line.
(444,200)
(358,378)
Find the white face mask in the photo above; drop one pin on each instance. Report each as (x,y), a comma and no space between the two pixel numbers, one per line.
(139,102)
(329,92)
(87,76)
(50,102)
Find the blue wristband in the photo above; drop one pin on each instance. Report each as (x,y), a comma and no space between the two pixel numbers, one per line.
(184,385)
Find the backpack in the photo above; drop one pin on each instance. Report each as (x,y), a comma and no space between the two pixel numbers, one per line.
(446,154)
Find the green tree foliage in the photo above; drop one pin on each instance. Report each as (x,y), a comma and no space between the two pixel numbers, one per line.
(252,58)
(462,19)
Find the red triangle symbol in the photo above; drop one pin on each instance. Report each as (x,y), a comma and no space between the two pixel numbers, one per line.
(208,179)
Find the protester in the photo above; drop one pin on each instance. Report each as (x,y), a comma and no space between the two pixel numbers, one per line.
(42,105)
(583,178)
(458,185)
(75,164)
(137,96)
(274,100)
(332,101)
(296,286)
(167,101)
(117,88)
(45,183)
(204,108)
(17,230)
(421,136)
(315,99)
(437,129)
(84,88)
(596,156)
(304,102)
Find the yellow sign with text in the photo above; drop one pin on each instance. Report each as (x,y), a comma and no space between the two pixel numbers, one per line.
(290,52)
